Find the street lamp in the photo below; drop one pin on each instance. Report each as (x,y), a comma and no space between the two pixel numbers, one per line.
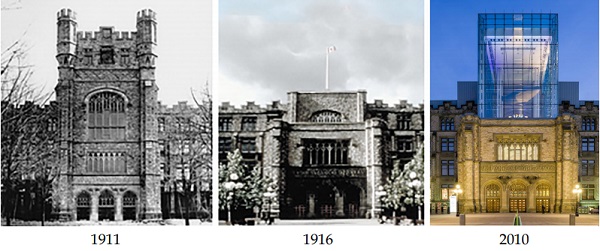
(457,191)
(577,191)
(230,186)
(269,195)
(415,185)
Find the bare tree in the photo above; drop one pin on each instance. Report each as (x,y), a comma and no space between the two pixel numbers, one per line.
(27,139)
(189,147)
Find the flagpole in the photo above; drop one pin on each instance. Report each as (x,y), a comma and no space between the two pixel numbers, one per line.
(327,69)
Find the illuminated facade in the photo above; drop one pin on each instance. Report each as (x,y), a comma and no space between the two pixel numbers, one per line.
(516,140)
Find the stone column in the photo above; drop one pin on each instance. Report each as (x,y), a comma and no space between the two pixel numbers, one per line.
(504,199)
(311,205)
(118,207)
(339,203)
(94,206)
(373,163)
(531,199)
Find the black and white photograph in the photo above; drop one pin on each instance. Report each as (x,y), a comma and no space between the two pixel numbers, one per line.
(106,113)
(321,113)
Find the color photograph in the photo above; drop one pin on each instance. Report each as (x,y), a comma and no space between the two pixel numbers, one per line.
(514,130)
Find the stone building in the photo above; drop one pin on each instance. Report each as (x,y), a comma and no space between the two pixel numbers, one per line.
(327,152)
(122,155)
(505,165)
(534,142)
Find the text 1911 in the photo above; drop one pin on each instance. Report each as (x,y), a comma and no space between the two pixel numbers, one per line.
(105,239)
(318,239)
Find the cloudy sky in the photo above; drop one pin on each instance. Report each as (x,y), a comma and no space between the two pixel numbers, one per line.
(454,41)
(183,34)
(267,48)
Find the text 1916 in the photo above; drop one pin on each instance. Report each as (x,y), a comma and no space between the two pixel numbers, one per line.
(514,239)
(317,239)
(105,239)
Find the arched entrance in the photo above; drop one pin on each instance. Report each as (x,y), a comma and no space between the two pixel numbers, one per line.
(106,206)
(325,202)
(542,198)
(83,206)
(129,206)
(517,198)
(492,198)
(352,202)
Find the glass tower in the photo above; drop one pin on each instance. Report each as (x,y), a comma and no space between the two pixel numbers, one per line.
(518,66)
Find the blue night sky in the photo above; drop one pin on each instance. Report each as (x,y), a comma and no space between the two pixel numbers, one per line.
(454,41)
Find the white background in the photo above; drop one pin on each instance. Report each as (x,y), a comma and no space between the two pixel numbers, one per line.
(384,237)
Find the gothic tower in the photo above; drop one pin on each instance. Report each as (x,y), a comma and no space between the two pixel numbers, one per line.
(108,101)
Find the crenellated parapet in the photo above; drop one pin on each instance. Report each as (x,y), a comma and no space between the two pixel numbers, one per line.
(115,35)
(252,107)
(180,107)
(403,106)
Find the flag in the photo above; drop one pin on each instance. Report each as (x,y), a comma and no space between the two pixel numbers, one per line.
(330,49)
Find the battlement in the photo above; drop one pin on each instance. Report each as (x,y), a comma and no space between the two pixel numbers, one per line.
(251,107)
(116,35)
(146,14)
(181,106)
(30,106)
(402,106)
(66,14)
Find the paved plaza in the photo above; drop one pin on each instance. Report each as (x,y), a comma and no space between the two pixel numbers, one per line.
(166,222)
(326,222)
(531,219)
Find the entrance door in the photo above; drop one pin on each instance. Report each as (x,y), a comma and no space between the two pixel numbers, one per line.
(492,201)
(325,203)
(352,202)
(492,205)
(106,206)
(542,202)
(83,206)
(517,205)
(129,208)
(542,198)
(517,198)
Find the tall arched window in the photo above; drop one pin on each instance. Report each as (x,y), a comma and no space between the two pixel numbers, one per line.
(106,116)
(492,197)
(542,198)
(83,206)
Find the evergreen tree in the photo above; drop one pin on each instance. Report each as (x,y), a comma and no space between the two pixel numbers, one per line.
(240,187)
(405,187)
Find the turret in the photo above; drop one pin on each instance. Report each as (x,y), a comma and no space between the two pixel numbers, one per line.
(146,38)
(66,37)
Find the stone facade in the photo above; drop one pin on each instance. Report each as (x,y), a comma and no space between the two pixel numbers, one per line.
(112,159)
(360,140)
(552,157)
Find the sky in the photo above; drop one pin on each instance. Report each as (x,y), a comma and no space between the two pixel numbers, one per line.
(269,48)
(453,52)
(184,36)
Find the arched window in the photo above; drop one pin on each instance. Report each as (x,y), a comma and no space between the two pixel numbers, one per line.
(83,206)
(129,210)
(492,198)
(326,117)
(542,198)
(106,116)
(542,191)
(106,206)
